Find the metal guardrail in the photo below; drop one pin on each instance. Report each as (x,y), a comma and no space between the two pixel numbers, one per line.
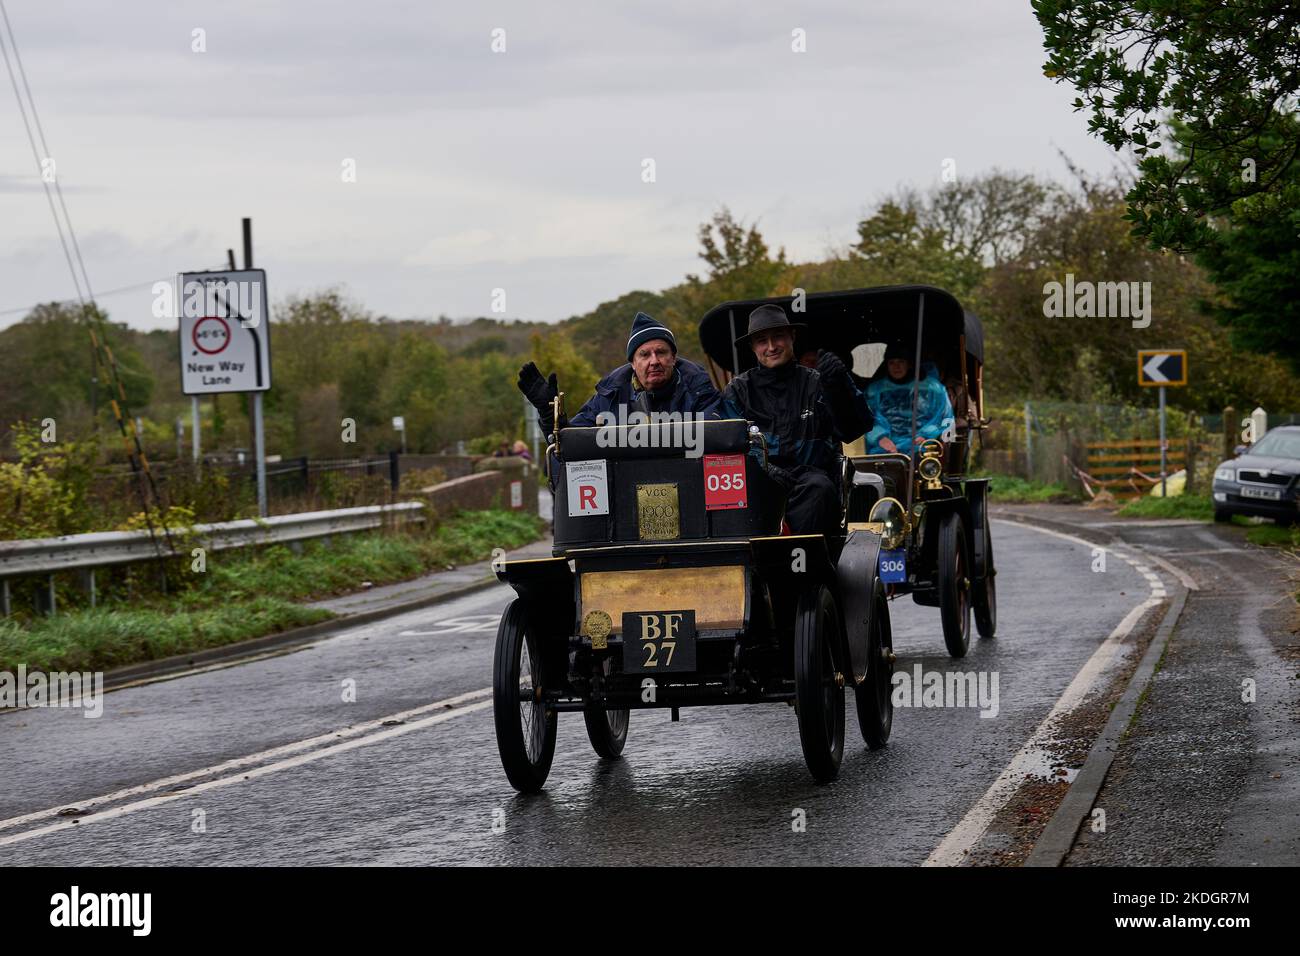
(85,552)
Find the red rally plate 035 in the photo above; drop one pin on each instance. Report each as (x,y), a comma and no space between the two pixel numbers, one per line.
(724,482)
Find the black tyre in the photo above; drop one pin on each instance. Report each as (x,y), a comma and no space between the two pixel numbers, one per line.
(819,683)
(1221,516)
(984,600)
(874,696)
(525,725)
(954,584)
(606,729)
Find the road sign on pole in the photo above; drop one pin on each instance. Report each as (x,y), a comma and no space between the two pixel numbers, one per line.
(399,424)
(225,336)
(1162,367)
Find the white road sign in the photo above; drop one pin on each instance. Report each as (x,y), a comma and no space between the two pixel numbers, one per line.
(588,487)
(225,335)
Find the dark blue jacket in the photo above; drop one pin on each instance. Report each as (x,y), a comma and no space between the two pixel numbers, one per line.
(692,391)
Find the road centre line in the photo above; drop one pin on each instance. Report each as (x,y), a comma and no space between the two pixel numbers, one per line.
(367,732)
(256,772)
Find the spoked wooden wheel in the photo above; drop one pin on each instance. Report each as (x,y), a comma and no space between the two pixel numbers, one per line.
(874,696)
(607,729)
(819,683)
(954,584)
(525,725)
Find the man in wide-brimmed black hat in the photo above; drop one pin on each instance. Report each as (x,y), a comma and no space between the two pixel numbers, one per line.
(803,414)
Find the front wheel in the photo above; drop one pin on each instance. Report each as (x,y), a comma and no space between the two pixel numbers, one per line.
(874,696)
(954,584)
(525,725)
(819,683)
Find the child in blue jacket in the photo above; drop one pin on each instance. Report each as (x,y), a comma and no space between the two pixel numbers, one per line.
(890,400)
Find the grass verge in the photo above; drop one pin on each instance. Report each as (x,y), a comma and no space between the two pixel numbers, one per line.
(1198,507)
(247,594)
(1010,490)
(97,639)
(1275,536)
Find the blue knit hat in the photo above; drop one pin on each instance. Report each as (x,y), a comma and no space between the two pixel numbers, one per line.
(644,329)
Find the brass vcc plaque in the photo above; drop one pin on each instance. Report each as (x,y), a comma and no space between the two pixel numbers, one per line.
(657,514)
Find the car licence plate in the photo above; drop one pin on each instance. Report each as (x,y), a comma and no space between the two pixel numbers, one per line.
(1268,494)
(658,642)
(893,566)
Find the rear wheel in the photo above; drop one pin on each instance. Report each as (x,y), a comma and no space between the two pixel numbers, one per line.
(954,584)
(525,725)
(874,696)
(985,597)
(606,729)
(819,683)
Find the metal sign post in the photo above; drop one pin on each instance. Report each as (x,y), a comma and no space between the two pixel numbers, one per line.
(194,428)
(1160,368)
(399,424)
(1164,461)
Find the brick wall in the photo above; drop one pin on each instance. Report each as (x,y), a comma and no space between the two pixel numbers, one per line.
(488,489)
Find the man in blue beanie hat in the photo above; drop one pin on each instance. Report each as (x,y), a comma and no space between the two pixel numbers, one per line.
(653,380)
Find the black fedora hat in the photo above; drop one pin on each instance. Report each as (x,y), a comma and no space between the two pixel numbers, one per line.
(766,318)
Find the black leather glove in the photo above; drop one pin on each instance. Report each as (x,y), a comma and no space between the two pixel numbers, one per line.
(781,477)
(539,391)
(832,370)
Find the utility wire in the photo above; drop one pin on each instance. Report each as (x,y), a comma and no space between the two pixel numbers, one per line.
(22,109)
(40,131)
(95,323)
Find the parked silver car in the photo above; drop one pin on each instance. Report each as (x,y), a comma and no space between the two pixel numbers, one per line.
(1263,480)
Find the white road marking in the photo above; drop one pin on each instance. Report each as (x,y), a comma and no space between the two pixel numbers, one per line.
(328,744)
(344,632)
(954,847)
(473,623)
(952,850)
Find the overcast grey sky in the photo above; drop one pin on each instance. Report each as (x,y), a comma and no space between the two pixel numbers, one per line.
(478,170)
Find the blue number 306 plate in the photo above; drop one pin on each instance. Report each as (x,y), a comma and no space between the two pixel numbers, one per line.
(893,566)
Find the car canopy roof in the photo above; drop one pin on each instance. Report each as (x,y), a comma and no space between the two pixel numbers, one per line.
(841,321)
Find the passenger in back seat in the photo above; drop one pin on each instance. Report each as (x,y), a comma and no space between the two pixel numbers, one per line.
(890,399)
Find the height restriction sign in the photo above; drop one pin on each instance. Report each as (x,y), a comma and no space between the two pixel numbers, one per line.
(225,338)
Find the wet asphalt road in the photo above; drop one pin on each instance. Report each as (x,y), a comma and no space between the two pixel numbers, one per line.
(722,786)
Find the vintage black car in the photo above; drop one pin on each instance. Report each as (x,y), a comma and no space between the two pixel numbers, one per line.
(937,541)
(1263,481)
(671,585)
